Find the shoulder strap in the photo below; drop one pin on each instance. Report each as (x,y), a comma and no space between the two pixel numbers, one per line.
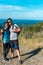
(13,26)
(16,25)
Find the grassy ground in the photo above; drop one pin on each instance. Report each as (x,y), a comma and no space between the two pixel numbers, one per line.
(31,52)
(31,47)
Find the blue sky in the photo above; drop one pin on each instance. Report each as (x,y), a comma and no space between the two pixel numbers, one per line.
(21,9)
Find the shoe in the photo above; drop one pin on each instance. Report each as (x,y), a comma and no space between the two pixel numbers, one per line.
(20,61)
(5,59)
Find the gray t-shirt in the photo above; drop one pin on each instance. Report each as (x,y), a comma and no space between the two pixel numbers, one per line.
(13,35)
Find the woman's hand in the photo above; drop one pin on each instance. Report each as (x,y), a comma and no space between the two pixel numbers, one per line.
(1,30)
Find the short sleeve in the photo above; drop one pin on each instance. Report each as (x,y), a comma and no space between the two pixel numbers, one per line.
(16,25)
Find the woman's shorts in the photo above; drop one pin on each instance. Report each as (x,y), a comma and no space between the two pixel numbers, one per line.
(14,44)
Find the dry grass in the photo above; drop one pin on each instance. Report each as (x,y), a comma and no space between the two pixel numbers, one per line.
(27,47)
(31,43)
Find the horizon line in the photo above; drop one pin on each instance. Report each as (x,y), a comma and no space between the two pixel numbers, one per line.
(21,19)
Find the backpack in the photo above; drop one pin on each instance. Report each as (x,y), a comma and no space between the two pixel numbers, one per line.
(16,28)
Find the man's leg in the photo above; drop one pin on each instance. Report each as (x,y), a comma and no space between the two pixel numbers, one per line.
(12,52)
(19,57)
(18,53)
(12,49)
(16,46)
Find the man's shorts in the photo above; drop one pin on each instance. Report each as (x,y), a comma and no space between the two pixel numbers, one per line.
(14,44)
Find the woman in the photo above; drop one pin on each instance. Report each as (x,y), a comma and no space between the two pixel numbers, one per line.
(6,39)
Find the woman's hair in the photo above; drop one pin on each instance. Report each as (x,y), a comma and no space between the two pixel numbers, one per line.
(9,19)
(5,23)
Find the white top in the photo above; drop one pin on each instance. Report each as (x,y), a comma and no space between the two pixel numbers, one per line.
(13,35)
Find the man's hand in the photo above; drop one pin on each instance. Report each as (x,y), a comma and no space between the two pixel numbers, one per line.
(17,30)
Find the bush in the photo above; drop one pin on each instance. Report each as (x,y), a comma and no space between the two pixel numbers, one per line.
(28,31)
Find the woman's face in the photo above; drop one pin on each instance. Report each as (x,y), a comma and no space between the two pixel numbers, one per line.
(6,25)
(9,21)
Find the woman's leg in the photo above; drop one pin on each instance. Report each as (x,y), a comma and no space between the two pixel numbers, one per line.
(4,50)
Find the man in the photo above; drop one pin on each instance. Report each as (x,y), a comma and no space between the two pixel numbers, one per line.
(14,30)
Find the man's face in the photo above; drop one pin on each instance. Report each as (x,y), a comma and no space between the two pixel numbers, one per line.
(9,21)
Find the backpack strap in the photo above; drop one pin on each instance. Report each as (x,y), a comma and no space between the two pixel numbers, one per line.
(13,26)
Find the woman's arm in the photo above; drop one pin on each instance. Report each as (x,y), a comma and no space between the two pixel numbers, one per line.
(2,31)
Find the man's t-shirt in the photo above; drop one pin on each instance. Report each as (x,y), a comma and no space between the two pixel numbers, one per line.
(13,35)
(6,36)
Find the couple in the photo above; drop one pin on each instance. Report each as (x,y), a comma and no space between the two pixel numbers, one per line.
(10,39)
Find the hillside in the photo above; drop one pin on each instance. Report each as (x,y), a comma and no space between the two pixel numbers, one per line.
(31,46)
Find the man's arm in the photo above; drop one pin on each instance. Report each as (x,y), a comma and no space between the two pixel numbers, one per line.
(17,30)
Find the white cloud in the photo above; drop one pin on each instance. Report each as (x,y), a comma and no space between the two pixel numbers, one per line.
(18,8)
(10,7)
(19,12)
(36,14)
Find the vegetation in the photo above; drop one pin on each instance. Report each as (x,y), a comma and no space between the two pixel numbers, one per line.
(31,30)
(31,46)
